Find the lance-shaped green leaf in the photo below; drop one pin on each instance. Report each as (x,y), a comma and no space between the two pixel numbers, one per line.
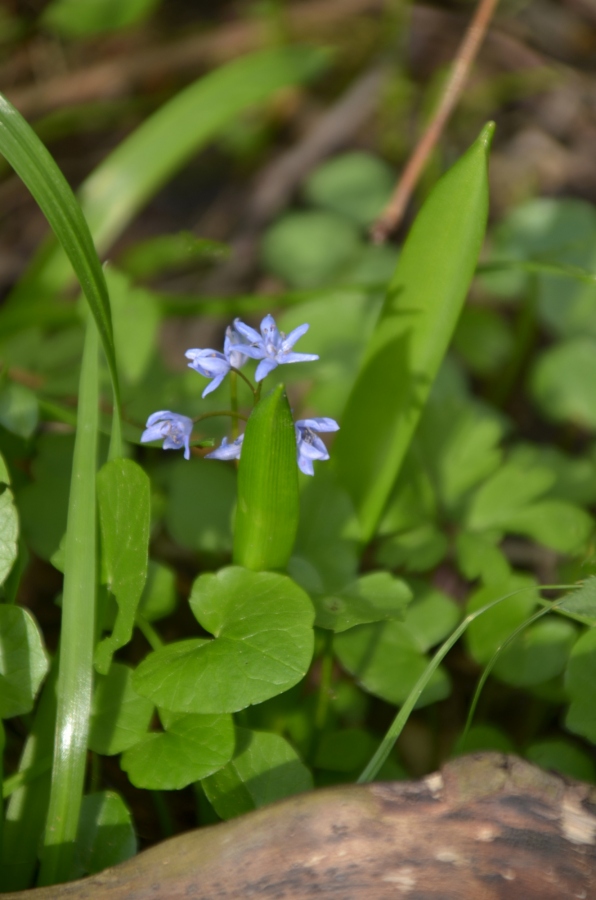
(267,511)
(263,645)
(123,495)
(410,340)
(37,169)
(265,768)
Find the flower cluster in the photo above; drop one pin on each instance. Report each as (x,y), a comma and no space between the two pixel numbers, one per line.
(271,348)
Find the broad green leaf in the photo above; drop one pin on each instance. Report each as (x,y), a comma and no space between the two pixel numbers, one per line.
(119,716)
(575,476)
(159,599)
(262,623)
(23,661)
(264,768)
(563,382)
(554,523)
(18,409)
(199,504)
(416,550)
(71,19)
(9,532)
(191,748)
(412,335)
(479,557)
(4,473)
(136,317)
(372,598)
(538,654)
(583,601)
(106,834)
(356,185)
(123,495)
(36,168)
(267,510)
(386,660)
(432,615)
(564,756)
(499,499)
(325,556)
(309,249)
(124,182)
(413,500)
(579,681)
(486,633)
(458,443)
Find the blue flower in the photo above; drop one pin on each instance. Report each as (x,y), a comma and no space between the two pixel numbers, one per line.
(226,450)
(309,445)
(172,428)
(271,346)
(216,365)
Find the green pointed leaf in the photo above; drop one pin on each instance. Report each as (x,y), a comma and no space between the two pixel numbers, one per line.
(9,532)
(23,661)
(263,645)
(413,332)
(264,768)
(579,681)
(106,834)
(191,748)
(123,494)
(372,598)
(554,523)
(119,716)
(267,511)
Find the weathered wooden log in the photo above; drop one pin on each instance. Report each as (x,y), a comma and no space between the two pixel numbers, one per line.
(487,826)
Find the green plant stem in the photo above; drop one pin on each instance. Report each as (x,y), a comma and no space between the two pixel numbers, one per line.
(256,392)
(221,412)
(148,632)
(396,727)
(75,676)
(234,403)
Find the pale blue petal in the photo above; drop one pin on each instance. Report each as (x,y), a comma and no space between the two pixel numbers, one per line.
(296,357)
(305,465)
(293,336)
(264,368)
(322,423)
(249,334)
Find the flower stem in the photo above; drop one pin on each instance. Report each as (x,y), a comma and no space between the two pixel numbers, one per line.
(244,378)
(234,403)
(221,412)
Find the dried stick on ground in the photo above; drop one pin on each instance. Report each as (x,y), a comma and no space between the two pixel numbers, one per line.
(487,827)
(393,213)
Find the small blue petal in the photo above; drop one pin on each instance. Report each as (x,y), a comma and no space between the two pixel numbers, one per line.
(174,429)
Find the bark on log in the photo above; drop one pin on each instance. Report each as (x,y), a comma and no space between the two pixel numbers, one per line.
(487,827)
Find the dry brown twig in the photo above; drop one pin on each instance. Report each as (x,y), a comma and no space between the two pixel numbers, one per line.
(466,54)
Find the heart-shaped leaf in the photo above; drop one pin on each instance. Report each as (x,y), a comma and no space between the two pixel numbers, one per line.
(263,645)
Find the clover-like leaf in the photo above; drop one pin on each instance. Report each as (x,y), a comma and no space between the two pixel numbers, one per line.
(262,623)
(264,768)
(372,598)
(191,748)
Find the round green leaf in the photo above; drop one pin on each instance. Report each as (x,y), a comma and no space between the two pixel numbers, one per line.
(563,756)
(563,382)
(119,716)
(307,249)
(386,660)
(264,768)
(263,645)
(486,633)
(580,680)
(191,748)
(18,409)
(23,661)
(356,185)
(538,654)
